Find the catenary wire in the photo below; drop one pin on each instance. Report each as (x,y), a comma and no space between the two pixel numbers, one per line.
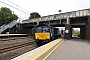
(18,5)
(25,9)
(13,7)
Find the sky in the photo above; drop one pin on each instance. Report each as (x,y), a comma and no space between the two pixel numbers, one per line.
(45,7)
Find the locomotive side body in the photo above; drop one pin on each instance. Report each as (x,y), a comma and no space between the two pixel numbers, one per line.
(57,33)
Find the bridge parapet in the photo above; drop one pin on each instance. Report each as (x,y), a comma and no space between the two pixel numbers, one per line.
(79,13)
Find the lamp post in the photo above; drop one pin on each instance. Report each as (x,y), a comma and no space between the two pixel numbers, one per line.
(60,16)
(59,11)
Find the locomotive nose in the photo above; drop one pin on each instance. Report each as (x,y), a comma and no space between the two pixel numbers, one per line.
(43,36)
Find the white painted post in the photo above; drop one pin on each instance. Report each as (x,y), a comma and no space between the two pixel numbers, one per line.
(68,20)
(60,19)
(37,22)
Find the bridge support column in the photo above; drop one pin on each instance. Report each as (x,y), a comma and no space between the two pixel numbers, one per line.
(37,23)
(83,33)
(88,29)
(68,20)
(88,33)
(68,31)
(60,20)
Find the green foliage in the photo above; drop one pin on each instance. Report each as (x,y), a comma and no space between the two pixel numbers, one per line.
(14,16)
(34,15)
(77,32)
(72,31)
(6,16)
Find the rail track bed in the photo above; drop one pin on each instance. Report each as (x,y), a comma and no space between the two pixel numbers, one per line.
(8,42)
(13,47)
(4,50)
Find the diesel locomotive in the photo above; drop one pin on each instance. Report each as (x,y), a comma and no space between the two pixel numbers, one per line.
(45,33)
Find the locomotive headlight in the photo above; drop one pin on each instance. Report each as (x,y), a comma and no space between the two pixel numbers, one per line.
(36,37)
(47,37)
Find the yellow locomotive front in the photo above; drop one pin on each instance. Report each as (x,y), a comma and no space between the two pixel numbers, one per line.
(42,34)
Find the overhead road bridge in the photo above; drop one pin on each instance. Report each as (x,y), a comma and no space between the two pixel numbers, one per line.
(61,16)
(69,20)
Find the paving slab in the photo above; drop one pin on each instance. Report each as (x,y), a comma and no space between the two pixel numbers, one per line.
(72,50)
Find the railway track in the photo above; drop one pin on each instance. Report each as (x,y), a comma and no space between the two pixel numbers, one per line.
(14,38)
(8,49)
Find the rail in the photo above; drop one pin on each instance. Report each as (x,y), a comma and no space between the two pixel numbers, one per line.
(8,49)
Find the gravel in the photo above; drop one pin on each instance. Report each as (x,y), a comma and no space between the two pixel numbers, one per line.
(17,52)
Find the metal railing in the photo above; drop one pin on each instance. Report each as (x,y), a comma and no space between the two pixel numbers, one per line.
(10,25)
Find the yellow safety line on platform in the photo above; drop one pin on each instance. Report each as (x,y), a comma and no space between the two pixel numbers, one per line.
(34,57)
(53,50)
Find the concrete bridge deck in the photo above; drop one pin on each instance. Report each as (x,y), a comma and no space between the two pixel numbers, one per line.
(72,14)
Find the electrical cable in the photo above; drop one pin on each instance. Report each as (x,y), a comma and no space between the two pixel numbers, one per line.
(25,9)
(13,7)
(33,9)
(46,5)
(18,5)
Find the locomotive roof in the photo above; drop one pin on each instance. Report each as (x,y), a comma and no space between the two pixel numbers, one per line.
(45,25)
(42,25)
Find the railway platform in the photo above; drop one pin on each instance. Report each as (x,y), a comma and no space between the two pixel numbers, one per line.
(73,49)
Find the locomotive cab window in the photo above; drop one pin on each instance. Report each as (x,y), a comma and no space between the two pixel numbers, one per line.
(39,29)
(43,29)
(46,29)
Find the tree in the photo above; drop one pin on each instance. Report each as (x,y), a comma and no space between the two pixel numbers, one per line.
(14,17)
(34,15)
(72,31)
(77,32)
(6,16)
